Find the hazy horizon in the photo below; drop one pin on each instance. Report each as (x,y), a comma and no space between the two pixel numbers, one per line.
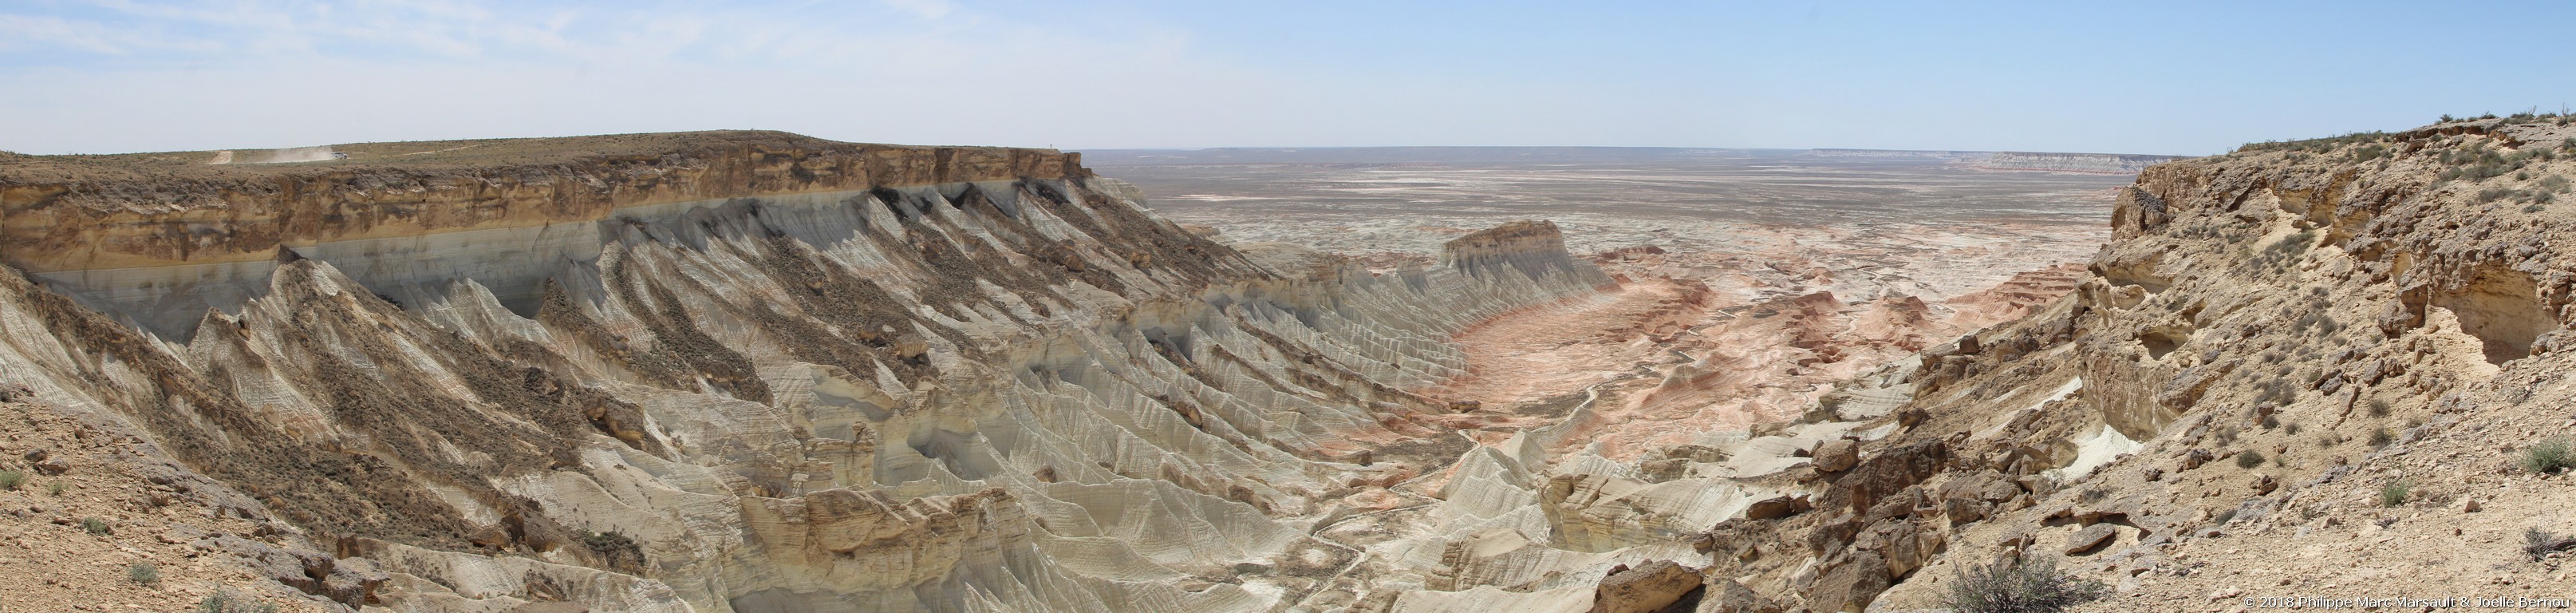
(2169,79)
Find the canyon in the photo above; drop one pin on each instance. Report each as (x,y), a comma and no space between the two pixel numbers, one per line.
(756,371)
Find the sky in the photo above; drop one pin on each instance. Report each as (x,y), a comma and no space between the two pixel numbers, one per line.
(2187,78)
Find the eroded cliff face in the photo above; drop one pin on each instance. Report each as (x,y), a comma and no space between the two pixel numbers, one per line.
(162,238)
(741,372)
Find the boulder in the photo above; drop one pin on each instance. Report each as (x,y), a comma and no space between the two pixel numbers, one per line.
(1853,585)
(1837,455)
(2090,538)
(1727,596)
(1771,508)
(1648,587)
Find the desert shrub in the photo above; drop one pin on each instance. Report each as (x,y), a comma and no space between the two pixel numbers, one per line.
(55,488)
(10,479)
(2531,208)
(2287,250)
(2279,392)
(144,573)
(2369,152)
(619,550)
(2382,437)
(2092,495)
(95,526)
(2539,543)
(2249,459)
(2548,457)
(2493,194)
(229,602)
(2554,183)
(2020,586)
(2378,408)
(2292,429)
(2394,493)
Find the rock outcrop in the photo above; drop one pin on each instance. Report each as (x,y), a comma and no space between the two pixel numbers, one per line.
(2320,347)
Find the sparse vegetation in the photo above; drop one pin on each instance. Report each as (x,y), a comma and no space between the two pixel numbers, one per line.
(95,526)
(619,550)
(2020,586)
(2292,429)
(2249,459)
(2394,493)
(2279,392)
(2369,140)
(2539,543)
(229,602)
(10,479)
(55,488)
(2271,421)
(2092,495)
(144,573)
(2378,408)
(2381,438)
(2287,250)
(2548,457)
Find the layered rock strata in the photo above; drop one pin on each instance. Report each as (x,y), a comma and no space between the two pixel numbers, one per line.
(743,372)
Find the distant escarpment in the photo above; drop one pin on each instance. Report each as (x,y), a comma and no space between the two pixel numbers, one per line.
(741,372)
(165,237)
(2105,163)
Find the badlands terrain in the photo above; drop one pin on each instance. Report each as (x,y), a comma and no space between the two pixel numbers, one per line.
(755,371)
(1872,255)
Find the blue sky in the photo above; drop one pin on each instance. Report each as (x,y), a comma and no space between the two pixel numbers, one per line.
(2165,77)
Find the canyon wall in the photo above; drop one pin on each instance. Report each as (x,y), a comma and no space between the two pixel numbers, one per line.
(739,371)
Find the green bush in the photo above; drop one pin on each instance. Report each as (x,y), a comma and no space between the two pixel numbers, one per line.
(2394,493)
(2548,457)
(95,526)
(2249,459)
(144,573)
(10,479)
(2019,586)
(55,488)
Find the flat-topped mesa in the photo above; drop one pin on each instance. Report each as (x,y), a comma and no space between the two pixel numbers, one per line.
(164,236)
(1533,247)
